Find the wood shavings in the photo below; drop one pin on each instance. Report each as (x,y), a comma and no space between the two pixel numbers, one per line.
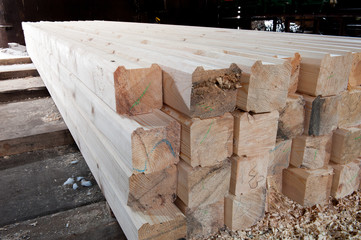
(339,219)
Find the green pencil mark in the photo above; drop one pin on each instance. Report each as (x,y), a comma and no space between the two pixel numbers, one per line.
(289,149)
(207,131)
(205,107)
(358,138)
(353,178)
(138,100)
(330,76)
(315,156)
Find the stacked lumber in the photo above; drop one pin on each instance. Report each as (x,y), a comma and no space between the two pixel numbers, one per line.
(185,137)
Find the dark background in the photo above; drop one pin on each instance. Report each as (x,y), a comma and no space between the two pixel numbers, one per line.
(314,16)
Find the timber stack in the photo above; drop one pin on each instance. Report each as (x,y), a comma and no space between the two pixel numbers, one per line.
(188,129)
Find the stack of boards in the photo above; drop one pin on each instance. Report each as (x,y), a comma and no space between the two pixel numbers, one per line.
(187,128)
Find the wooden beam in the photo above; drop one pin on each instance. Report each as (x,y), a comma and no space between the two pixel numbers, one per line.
(248,173)
(349,113)
(203,221)
(163,222)
(15,60)
(143,85)
(254,133)
(112,162)
(321,116)
(242,212)
(307,187)
(185,81)
(311,152)
(292,117)
(275,72)
(34,125)
(203,185)
(321,73)
(17,71)
(346,179)
(279,157)
(204,142)
(150,142)
(346,145)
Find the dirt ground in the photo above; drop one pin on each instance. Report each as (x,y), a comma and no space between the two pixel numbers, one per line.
(339,219)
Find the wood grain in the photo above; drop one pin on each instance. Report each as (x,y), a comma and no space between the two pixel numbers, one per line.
(307,187)
(321,116)
(254,133)
(311,152)
(203,221)
(248,173)
(204,142)
(346,145)
(203,185)
(242,212)
(349,113)
(279,157)
(292,117)
(346,179)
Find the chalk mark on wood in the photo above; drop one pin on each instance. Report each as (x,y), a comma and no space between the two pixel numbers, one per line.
(207,131)
(155,146)
(138,100)
(353,178)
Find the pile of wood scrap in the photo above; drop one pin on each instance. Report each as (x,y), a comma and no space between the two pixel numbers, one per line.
(187,129)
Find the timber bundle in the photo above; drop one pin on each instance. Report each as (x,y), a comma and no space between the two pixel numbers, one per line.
(188,129)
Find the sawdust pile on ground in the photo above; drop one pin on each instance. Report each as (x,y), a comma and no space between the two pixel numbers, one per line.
(339,219)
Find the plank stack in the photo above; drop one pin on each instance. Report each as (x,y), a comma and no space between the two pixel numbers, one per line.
(187,129)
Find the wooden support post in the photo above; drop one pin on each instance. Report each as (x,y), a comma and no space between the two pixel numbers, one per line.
(346,145)
(346,179)
(125,86)
(311,152)
(203,185)
(321,116)
(279,157)
(254,133)
(349,113)
(248,173)
(242,212)
(204,142)
(292,117)
(307,187)
(203,221)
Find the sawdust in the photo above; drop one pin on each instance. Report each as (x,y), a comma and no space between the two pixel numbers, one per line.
(339,219)
(226,81)
(51,117)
